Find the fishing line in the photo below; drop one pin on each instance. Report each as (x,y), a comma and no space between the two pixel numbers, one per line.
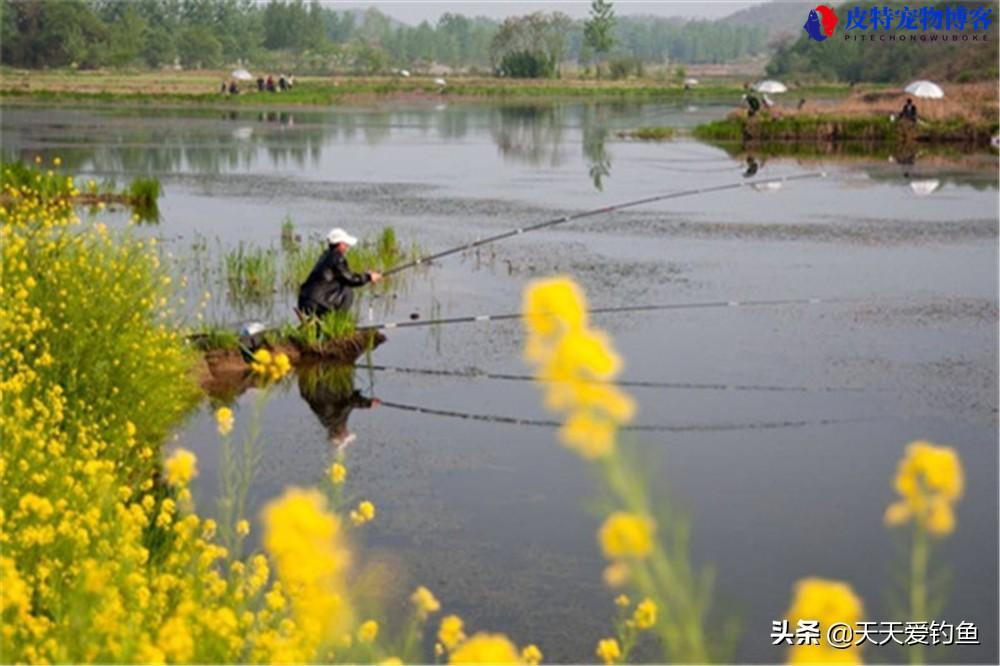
(503,376)
(608,310)
(591,213)
(551,423)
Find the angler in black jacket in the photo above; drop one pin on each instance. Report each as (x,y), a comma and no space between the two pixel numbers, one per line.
(330,282)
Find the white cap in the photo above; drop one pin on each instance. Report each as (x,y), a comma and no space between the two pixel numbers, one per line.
(338,235)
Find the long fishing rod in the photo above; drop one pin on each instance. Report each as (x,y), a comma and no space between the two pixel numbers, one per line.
(591,213)
(550,423)
(608,310)
(504,376)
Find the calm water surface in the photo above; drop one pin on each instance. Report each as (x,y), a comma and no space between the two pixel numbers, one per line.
(778,484)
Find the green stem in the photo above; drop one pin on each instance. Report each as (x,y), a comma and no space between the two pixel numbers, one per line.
(918,586)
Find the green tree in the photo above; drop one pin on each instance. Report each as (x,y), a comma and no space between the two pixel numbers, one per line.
(198,47)
(158,46)
(598,31)
(530,46)
(126,39)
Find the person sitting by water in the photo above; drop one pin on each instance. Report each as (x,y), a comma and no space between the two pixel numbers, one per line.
(753,104)
(260,84)
(330,283)
(909,111)
(223,91)
(282,83)
(270,83)
(233,88)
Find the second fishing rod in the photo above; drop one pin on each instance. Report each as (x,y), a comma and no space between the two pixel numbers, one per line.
(592,213)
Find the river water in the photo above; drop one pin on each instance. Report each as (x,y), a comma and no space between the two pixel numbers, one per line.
(491,515)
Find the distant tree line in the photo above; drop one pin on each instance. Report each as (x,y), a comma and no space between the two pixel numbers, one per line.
(889,62)
(313,36)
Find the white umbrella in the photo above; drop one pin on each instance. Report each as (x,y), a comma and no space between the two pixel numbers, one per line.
(405,74)
(242,75)
(771,86)
(923,188)
(925,89)
(440,82)
(691,82)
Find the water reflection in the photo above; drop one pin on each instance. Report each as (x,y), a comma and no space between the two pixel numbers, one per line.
(203,141)
(530,133)
(213,142)
(595,133)
(329,391)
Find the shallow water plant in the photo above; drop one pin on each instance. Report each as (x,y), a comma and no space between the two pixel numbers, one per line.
(251,273)
(143,195)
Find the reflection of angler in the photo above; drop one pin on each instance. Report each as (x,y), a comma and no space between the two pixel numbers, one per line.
(332,405)
(752,167)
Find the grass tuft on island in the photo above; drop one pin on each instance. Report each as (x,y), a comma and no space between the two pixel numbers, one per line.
(660,133)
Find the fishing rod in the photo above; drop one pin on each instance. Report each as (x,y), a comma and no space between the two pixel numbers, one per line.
(503,376)
(591,213)
(607,310)
(551,423)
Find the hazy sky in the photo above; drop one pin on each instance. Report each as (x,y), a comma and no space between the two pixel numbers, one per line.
(415,11)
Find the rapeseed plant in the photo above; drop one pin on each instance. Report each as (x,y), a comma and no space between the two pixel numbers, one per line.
(929,481)
(576,365)
(103,556)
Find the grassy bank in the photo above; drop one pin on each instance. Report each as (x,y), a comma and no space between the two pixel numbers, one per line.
(834,128)
(201,88)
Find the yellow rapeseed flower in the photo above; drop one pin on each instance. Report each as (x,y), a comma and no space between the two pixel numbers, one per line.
(364,513)
(588,435)
(645,614)
(424,602)
(608,650)
(626,535)
(622,601)
(450,632)
(305,542)
(181,467)
(485,648)
(929,480)
(268,366)
(531,655)
(337,473)
(368,631)
(224,420)
(616,574)
(829,602)
(554,305)
(242,527)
